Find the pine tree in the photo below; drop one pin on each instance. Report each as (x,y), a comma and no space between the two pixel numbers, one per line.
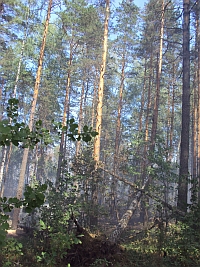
(185,132)
(31,120)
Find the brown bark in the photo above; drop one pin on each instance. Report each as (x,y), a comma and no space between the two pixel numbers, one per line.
(185,132)
(32,115)
(101,86)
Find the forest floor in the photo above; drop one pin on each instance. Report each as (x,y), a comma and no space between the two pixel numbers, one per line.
(135,249)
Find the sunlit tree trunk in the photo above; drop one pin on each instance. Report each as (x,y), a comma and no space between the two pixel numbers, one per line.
(101,86)
(32,115)
(96,151)
(185,132)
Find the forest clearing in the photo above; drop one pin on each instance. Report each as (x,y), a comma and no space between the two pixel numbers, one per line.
(99,133)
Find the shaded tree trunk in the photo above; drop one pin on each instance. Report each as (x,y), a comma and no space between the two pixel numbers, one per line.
(198,93)
(5,150)
(185,132)
(158,77)
(80,119)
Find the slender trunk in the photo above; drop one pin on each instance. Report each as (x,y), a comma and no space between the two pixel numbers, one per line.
(171,134)
(185,132)
(143,94)
(80,119)
(159,70)
(5,173)
(117,137)
(198,89)
(2,174)
(32,114)
(94,99)
(64,119)
(3,159)
(101,87)
(144,163)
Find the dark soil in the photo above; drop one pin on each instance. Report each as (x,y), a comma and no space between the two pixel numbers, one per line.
(93,248)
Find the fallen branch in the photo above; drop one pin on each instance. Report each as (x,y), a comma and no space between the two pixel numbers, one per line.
(143,191)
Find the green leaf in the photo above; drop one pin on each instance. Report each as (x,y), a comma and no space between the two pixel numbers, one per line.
(87,138)
(93,134)
(85,128)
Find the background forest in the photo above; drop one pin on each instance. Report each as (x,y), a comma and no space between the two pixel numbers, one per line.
(100,101)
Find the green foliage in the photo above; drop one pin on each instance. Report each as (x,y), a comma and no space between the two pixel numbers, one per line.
(56,224)
(33,198)
(11,253)
(71,129)
(18,133)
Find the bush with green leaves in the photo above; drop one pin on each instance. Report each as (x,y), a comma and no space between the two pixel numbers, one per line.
(33,198)
(11,253)
(57,234)
(18,133)
(182,241)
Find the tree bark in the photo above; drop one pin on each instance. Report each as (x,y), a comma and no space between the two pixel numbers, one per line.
(101,86)
(32,115)
(185,132)
(158,77)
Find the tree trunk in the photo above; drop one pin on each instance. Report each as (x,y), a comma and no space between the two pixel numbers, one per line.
(101,86)
(2,175)
(198,92)
(184,156)
(31,120)
(158,77)
(171,134)
(80,119)
(117,137)
(143,94)
(122,224)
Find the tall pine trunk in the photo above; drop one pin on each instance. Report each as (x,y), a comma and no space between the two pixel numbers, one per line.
(158,77)
(32,115)
(101,86)
(185,132)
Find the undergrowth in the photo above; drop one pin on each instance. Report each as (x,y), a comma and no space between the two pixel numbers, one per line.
(179,246)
